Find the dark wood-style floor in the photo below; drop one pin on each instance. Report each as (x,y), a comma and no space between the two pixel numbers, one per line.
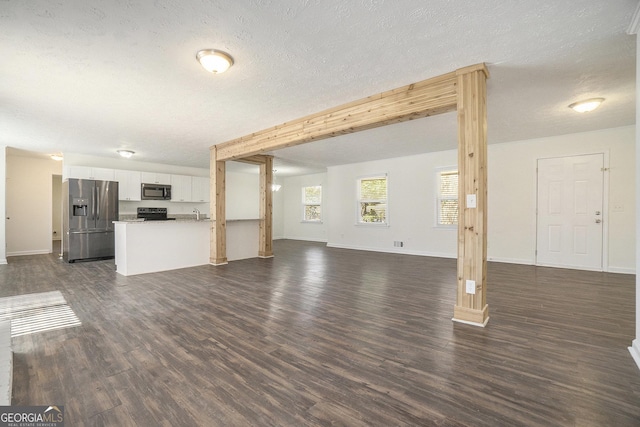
(319,336)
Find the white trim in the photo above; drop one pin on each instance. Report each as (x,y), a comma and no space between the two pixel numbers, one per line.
(438,172)
(571,267)
(466,322)
(358,187)
(621,270)
(216,265)
(305,239)
(305,204)
(36,252)
(634,26)
(519,261)
(605,209)
(635,351)
(3,261)
(400,251)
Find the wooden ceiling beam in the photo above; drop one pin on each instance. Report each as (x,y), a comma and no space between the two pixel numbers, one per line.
(422,99)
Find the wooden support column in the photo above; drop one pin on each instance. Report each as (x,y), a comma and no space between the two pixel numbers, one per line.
(471,301)
(218,247)
(266,208)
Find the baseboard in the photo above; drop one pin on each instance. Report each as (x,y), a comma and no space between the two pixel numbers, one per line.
(36,252)
(3,261)
(621,270)
(392,251)
(519,261)
(305,239)
(635,351)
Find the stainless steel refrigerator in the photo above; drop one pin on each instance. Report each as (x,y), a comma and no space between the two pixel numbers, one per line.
(89,209)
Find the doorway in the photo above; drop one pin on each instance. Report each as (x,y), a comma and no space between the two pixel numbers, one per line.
(570,214)
(56,214)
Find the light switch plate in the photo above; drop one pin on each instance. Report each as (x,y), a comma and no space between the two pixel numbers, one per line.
(471,200)
(471,287)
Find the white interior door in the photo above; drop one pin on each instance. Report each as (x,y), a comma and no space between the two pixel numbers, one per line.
(570,212)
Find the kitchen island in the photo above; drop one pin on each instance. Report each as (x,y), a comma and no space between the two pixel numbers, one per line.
(152,246)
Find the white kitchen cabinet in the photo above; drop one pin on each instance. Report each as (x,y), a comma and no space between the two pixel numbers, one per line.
(180,188)
(200,189)
(156,178)
(87,172)
(129,185)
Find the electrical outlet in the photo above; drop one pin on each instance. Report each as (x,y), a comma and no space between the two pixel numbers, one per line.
(471,287)
(398,244)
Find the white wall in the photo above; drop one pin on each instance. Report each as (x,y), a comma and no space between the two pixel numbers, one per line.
(278,214)
(242,195)
(28,204)
(411,206)
(292,209)
(512,199)
(3,180)
(56,207)
(512,194)
(635,345)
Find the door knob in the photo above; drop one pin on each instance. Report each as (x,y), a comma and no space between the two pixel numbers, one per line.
(598,221)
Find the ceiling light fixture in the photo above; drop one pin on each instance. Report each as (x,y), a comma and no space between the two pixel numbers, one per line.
(586,105)
(57,157)
(214,61)
(126,153)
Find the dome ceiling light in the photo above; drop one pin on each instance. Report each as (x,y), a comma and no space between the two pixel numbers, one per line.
(586,105)
(214,61)
(126,153)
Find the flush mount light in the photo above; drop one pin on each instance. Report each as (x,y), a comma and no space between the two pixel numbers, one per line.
(214,61)
(57,157)
(586,105)
(126,153)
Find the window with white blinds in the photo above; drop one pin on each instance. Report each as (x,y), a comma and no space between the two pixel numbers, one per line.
(312,203)
(447,197)
(372,200)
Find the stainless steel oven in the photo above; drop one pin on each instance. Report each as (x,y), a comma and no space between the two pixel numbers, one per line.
(156,192)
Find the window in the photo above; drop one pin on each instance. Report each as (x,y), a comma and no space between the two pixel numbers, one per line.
(447,197)
(372,200)
(312,203)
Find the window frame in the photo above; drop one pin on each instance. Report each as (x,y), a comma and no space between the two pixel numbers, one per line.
(305,204)
(439,172)
(359,200)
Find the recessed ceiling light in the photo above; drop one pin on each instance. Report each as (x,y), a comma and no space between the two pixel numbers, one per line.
(126,153)
(214,61)
(586,105)
(57,157)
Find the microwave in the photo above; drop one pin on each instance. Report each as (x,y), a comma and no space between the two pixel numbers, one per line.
(155,192)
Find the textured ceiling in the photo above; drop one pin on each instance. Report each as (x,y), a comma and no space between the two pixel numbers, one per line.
(92,76)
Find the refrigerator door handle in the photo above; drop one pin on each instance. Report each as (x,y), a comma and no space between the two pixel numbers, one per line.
(97,204)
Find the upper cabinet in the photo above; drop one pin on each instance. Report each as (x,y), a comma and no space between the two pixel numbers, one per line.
(156,178)
(87,172)
(128,185)
(200,189)
(180,188)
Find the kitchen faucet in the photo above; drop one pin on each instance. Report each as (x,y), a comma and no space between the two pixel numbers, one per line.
(197,212)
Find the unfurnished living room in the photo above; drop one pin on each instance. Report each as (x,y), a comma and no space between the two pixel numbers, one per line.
(303,213)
